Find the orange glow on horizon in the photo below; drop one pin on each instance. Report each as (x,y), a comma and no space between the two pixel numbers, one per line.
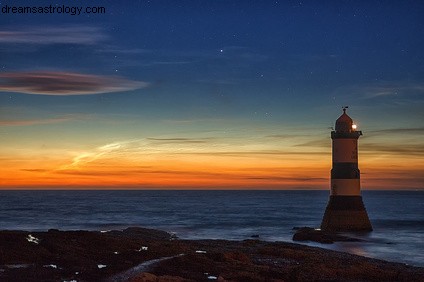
(272,163)
(118,170)
(201,171)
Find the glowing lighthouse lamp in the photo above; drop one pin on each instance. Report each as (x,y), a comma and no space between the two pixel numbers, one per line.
(345,210)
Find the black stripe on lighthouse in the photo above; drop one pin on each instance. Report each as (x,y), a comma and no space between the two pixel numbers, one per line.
(345,171)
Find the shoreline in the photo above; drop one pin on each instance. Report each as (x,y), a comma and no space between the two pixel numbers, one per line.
(99,256)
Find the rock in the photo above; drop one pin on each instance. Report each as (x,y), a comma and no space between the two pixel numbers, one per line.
(144,277)
(167,278)
(146,234)
(149,277)
(317,235)
(52,230)
(241,257)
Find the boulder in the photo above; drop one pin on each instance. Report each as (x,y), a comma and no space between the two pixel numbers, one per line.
(320,236)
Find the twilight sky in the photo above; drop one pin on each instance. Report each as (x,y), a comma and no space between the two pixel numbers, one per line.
(209,94)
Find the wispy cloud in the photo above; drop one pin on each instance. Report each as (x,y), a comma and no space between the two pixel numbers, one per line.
(254,153)
(34,121)
(409,150)
(317,143)
(87,157)
(282,178)
(381,89)
(417,130)
(35,170)
(45,35)
(179,140)
(64,83)
(141,170)
(392,89)
(181,147)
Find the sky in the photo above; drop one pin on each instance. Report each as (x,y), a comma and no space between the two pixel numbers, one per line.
(208,94)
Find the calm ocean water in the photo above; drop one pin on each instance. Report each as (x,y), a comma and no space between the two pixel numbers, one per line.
(397,217)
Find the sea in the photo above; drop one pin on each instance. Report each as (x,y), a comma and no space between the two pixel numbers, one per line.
(397,216)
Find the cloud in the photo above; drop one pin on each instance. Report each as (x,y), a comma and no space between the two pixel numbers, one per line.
(410,150)
(418,130)
(280,178)
(179,140)
(317,142)
(83,158)
(64,83)
(382,89)
(35,170)
(88,157)
(35,121)
(139,171)
(254,153)
(279,136)
(43,35)
(26,122)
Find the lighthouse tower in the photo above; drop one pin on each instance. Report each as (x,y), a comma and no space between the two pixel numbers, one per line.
(345,210)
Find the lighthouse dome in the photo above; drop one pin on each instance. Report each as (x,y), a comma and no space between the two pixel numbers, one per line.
(344,123)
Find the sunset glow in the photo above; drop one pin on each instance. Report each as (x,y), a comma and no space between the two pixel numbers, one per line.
(262,163)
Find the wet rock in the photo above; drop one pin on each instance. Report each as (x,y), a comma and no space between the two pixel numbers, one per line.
(148,277)
(143,233)
(144,277)
(237,256)
(53,230)
(317,235)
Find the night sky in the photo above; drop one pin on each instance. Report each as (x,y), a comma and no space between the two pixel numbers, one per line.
(209,94)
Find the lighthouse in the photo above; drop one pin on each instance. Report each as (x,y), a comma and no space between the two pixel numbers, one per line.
(345,210)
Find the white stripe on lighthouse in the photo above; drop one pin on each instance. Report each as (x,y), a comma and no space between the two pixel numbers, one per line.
(345,150)
(345,187)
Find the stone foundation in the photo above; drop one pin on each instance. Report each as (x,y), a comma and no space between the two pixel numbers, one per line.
(346,213)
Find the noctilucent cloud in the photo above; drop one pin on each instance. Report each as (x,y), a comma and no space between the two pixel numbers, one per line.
(208,94)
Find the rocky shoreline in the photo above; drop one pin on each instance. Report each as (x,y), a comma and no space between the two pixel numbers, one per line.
(139,254)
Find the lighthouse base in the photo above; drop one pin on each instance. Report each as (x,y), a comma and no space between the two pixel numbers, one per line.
(346,213)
